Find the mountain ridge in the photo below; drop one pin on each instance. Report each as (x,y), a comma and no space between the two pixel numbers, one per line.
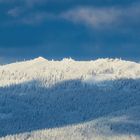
(68,99)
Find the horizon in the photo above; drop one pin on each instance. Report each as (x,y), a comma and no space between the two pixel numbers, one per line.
(61,59)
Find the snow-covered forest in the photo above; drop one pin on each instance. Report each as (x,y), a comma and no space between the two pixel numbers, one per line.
(70,100)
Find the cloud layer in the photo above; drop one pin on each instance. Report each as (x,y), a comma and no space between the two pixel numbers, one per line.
(91,16)
(103,17)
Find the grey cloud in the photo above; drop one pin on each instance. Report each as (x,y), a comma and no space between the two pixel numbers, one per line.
(101,17)
(92,16)
(15,12)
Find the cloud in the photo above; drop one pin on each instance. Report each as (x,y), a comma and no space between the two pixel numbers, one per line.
(25,11)
(25,17)
(15,12)
(28,3)
(92,16)
(103,17)
(96,17)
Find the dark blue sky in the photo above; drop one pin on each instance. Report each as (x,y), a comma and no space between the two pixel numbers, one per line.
(82,29)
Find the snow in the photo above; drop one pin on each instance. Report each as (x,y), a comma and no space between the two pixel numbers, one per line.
(68,99)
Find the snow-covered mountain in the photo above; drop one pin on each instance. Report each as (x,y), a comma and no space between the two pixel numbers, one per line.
(70,100)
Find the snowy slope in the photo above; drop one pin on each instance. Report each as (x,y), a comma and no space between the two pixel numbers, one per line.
(70,100)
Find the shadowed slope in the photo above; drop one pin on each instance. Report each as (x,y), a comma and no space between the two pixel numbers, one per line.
(26,108)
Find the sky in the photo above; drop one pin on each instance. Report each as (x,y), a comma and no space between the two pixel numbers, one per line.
(80,29)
